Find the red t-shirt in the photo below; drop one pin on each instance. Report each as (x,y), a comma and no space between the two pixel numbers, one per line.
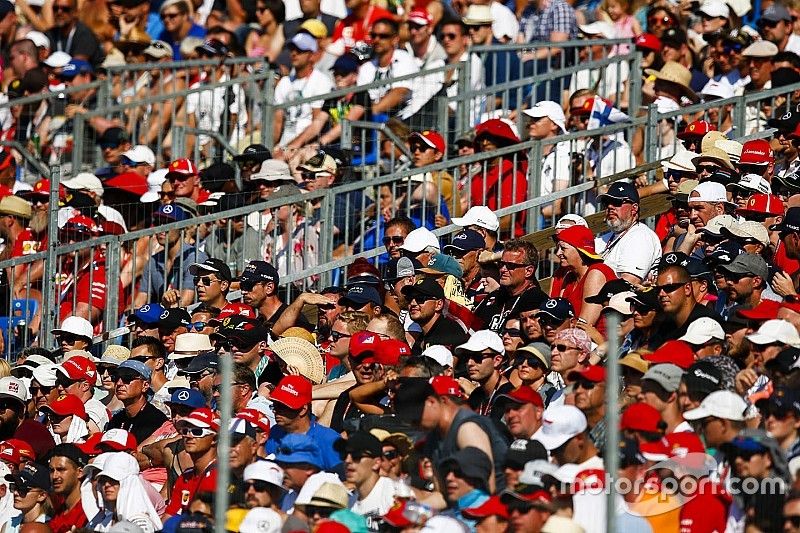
(513,187)
(25,244)
(705,513)
(186,486)
(352,29)
(63,522)
(790,266)
(567,285)
(665,223)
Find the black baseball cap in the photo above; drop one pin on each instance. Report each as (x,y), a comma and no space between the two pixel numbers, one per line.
(212,48)
(32,476)
(558,308)
(523,450)
(71,452)
(790,222)
(254,152)
(360,442)
(426,286)
(703,377)
(615,286)
(401,267)
(217,266)
(202,362)
(673,259)
(673,37)
(629,453)
(259,271)
(782,398)
(472,462)
(173,318)
(240,329)
(646,297)
(723,254)
(786,122)
(620,190)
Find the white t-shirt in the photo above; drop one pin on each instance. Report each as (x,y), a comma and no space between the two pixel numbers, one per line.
(793,44)
(209,107)
(402,64)
(298,118)
(97,412)
(556,167)
(379,500)
(505,22)
(476,83)
(635,251)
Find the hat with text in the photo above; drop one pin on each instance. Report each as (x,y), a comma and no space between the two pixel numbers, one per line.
(478,215)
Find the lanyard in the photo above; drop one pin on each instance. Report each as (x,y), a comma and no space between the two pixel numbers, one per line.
(69,42)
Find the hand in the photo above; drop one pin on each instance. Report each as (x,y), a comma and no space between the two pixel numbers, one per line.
(491,284)
(439,221)
(782,284)
(467,386)
(292,370)
(745,379)
(590,330)
(641,181)
(171,298)
(313,298)
(73,109)
(390,379)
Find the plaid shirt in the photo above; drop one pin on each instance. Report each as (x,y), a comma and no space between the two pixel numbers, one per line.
(537,25)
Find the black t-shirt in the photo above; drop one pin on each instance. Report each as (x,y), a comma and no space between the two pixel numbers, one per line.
(495,309)
(80,41)
(140,426)
(491,405)
(445,332)
(338,109)
(668,330)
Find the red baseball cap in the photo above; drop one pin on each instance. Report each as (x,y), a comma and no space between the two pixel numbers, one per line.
(524,395)
(79,368)
(446,386)
(756,152)
(768,204)
(491,507)
(593,373)
(640,417)
(581,238)
(182,167)
(648,41)
(431,138)
(9,453)
(255,417)
(676,352)
(293,392)
(90,446)
(420,16)
(765,310)
(362,343)
(698,128)
(25,450)
(42,188)
(130,182)
(391,351)
(673,445)
(117,440)
(233,309)
(67,404)
(396,517)
(201,418)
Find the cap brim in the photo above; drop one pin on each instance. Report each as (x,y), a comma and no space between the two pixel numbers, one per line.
(760,338)
(697,413)
(551,442)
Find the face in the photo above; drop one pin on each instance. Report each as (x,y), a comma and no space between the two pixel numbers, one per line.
(512,336)
(455,486)
(243,451)
(569,452)
(63,13)
(480,34)
(383,39)
(453,40)
(393,239)
(643,318)
(108,487)
(26,500)
(64,475)
(431,413)
(424,154)
(366,372)
(522,420)
(341,340)
(568,255)
(530,325)
(714,431)
(524,518)
(422,308)
(254,294)
(620,214)
(359,468)
(209,287)
(173,18)
(390,463)
(760,69)
(69,342)
(739,287)
(480,366)
(763,353)
(564,357)
(184,186)
(9,413)
(589,396)
(756,465)
(285,415)
(673,290)
(257,493)
(419,33)
(42,395)
(791,516)
(168,335)
(514,269)
(197,445)
(59,424)
(129,386)
(541,128)
(780,423)
(246,355)
(300,59)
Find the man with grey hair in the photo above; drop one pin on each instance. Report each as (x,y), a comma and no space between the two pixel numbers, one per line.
(630,248)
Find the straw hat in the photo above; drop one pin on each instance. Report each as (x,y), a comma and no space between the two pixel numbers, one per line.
(300,333)
(681,161)
(478,15)
(15,206)
(676,73)
(710,140)
(716,155)
(302,355)
(730,147)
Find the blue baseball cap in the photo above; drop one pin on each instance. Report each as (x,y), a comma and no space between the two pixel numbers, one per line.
(138,367)
(149,313)
(345,63)
(171,212)
(359,295)
(75,67)
(558,308)
(189,397)
(466,241)
(297,448)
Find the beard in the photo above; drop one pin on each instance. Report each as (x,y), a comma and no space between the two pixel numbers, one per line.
(38,223)
(618,225)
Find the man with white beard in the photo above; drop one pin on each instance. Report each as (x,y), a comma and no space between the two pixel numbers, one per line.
(630,248)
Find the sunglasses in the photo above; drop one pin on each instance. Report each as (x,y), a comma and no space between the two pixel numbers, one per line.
(512,332)
(615,202)
(780,413)
(794,519)
(63,9)
(249,285)
(56,419)
(669,287)
(197,326)
(194,432)
(585,384)
(391,454)
(449,36)
(358,455)
(548,321)
(519,507)
(44,390)
(322,512)
(257,485)
(69,338)
(125,377)
(336,336)
(563,347)
(707,169)
(394,239)
(62,381)
(311,176)
(167,194)
(422,298)
(479,357)
(530,360)
(169,16)
(375,36)
(206,280)
(734,277)
(510,265)
(144,358)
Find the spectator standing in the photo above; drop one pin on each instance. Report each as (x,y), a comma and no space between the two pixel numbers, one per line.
(72,36)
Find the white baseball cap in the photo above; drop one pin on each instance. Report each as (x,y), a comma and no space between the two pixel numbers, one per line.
(420,239)
(559,424)
(39,39)
(141,154)
(715,9)
(776,330)
(551,110)
(709,191)
(599,27)
(569,220)
(483,340)
(440,354)
(11,387)
(261,520)
(58,59)
(753,182)
(478,215)
(46,375)
(721,404)
(620,303)
(154,181)
(720,89)
(703,330)
(264,471)
(85,182)
(77,326)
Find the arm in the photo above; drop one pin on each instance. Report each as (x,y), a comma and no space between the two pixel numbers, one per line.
(594,282)
(289,317)
(392,99)
(187,297)
(636,280)
(277,125)
(471,434)
(362,394)
(318,121)
(236,12)
(356,113)
(88,311)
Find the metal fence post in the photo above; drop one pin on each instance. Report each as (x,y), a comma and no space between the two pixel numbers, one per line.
(347,134)
(179,140)
(113,268)
(611,457)
(326,214)
(535,181)
(269,112)
(50,296)
(635,90)
(741,117)
(77,142)
(651,137)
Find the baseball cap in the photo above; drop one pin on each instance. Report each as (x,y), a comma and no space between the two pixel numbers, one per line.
(440,354)
(478,215)
(419,17)
(274,170)
(254,152)
(346,64)
(431,138)
(256,418)
(172,213)
(420,239)
(641,417)
(482,340)
(466,241)
(677,352)
(359,295)
(299,448)
(240,426)
(217,266)
(748,231)
(648,41)
(446,386)
(678,444)
(776,331)
(141,153)
(551,110)
(138,367)
(202,362)
(715,9)
(756,152)
(400,267)
(698,128)
(761,48)
(158,50)
(424,287)
(75,67)
(703,377)
(558,308)
(620,190)
(751,264)
(472,462)
(173,318)
(559,424)
(524,395)
(539,350)
(320,162)
(723,254)
(118,440)
(233,309)
(148,313)
(182,167)
(212,48)
(609,289)
(646,297)
(359,442)
(242,331)
(201,418)
(775,13)
(189,397)
(66,404)
(703,330)
(782,398)
(441,264)
(523,450)
(79,368)
(11,387)
(84,181)
(721,404)
(293,392)
(303,42)
(259,271)
(77,326)
(668,375)
(31,476)
(265,471)
(592,373)
(765,310)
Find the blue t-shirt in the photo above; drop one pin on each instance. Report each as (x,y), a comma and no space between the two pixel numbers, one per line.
(195,31)
(323,436)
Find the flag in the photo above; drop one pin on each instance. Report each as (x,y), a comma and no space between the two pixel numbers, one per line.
(603,114)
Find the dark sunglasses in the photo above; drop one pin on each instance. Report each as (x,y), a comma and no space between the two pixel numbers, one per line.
(391,454)
(519,507)
(169,16)
(394,239)
(421,298)
(548,321)
(63,381)
(660,20)
(735,277)
(322,512)
(196,326)
(447,36)
(375,36)
(337,336)
(707,169)
(585,384)
(530,360)
(512,332)
(564,347)
(41,388)
(257,485)
(479,357)
(510,265)
(207,281)
(167,194)
(63,9)
(614,202)
(669,287)
(69,338)
(126,377)
(358,455)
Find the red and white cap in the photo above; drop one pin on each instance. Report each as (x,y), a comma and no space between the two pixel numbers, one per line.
(420,16)
(233,309)
(255,417)
(756,152)
(768,204)
(446,386)
(67,404)
(201,418)
(79,368)
(431,138)
(24,449)
(293,392)
(184,167)
(9,453)
(118,440)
